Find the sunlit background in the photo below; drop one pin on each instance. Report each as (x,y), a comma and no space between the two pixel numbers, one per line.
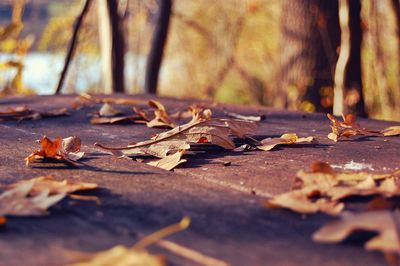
(225,50)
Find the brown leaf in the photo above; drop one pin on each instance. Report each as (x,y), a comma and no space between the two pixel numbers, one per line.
(67,149)
(286,139)
(299,201)
(109,115)
(136,255)
(47,183)
(321,189)
(161,117)
(87,99)
(16,201)
(169,162)
(381,222)
(391,131)
(24,113)
(117,119)
(348,128)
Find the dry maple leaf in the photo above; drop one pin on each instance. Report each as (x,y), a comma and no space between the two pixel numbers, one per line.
(136,255)
(348,128)
(201,129)
(391,131)
(289,138)
(67,149)
(24,113)
(381,222)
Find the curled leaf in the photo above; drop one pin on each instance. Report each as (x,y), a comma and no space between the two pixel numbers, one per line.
(67,149)
(286,139)
(161,117)
(348,128)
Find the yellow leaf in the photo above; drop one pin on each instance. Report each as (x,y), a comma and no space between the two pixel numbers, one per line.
(391,131)
(289,138)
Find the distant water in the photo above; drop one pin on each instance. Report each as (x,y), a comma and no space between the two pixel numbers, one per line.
(41,71)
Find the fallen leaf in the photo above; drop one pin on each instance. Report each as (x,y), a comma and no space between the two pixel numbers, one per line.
(67,149)
(136,255)
(254,118)
(17,202)
(118,119)
(161,117)
(381,222)
(286,139)
(107,110)
(348,128)
(24,113)
(322,189)
(121,256)
(48,183)
(87,99)
(110,115)
(169,162)
(391,131)
(300,202)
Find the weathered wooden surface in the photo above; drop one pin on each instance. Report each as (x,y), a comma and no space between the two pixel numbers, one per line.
(224,202)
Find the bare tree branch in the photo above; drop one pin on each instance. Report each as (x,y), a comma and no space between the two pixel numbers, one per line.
(72,45)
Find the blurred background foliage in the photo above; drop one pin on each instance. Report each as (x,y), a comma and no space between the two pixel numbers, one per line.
(225,50)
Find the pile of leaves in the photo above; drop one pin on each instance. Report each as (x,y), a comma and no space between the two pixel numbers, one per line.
(169,146)
(323,190)
(34,196)
(349,128)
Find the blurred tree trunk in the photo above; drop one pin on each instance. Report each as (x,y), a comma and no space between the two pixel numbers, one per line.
(159,39)
(348,84)
(396,10)
(112,45)
(310,37)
